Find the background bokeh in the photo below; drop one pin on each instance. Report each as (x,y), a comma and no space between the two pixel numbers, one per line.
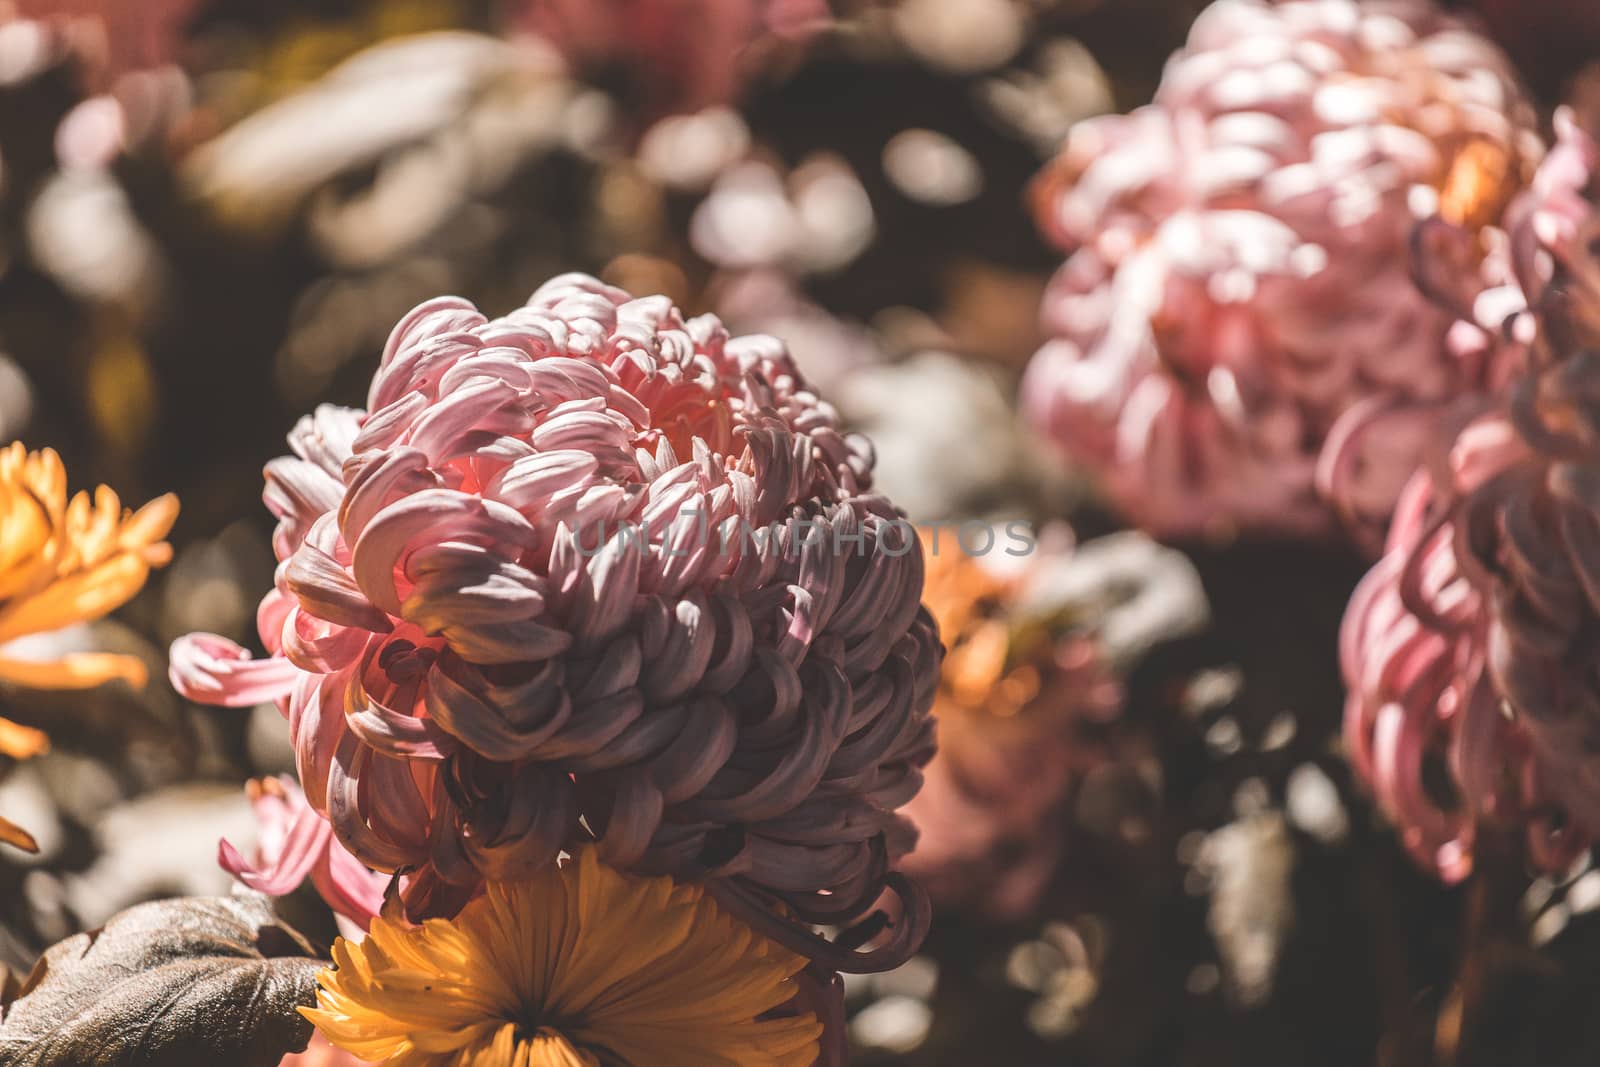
(213,211)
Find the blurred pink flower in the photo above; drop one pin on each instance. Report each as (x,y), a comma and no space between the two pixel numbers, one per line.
(113,37)
(473,652)
(124,55)
(677,55)
(1237,341)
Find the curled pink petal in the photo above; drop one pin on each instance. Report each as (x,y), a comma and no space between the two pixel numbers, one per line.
(297,843)
(214,670)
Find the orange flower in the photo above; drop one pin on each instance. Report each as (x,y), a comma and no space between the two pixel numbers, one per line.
(997,657)
(64,562)
(580,966)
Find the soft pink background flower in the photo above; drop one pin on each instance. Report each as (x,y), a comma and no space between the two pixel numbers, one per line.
(1237,340)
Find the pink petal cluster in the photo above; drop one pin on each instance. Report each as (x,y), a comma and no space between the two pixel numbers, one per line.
(1468,648)
(1552,230)
(1471,697)
(1236,340)
(1534,277)
(596,569)
(678,55)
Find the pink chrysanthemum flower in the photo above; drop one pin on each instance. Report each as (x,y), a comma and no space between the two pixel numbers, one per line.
(593,568)
(1467,648)
(1237,341)
(1470,694)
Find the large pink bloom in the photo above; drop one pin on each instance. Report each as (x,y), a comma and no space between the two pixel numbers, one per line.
(1237,341)
(474,654)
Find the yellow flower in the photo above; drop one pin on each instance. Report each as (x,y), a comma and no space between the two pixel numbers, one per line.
(65,562)
(582,966)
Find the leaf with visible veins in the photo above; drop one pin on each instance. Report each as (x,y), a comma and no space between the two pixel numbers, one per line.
(175,983)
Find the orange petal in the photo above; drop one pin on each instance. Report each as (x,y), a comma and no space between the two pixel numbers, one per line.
(150,523)
(16,836)
(80,670)
(21,742)
(83,597)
